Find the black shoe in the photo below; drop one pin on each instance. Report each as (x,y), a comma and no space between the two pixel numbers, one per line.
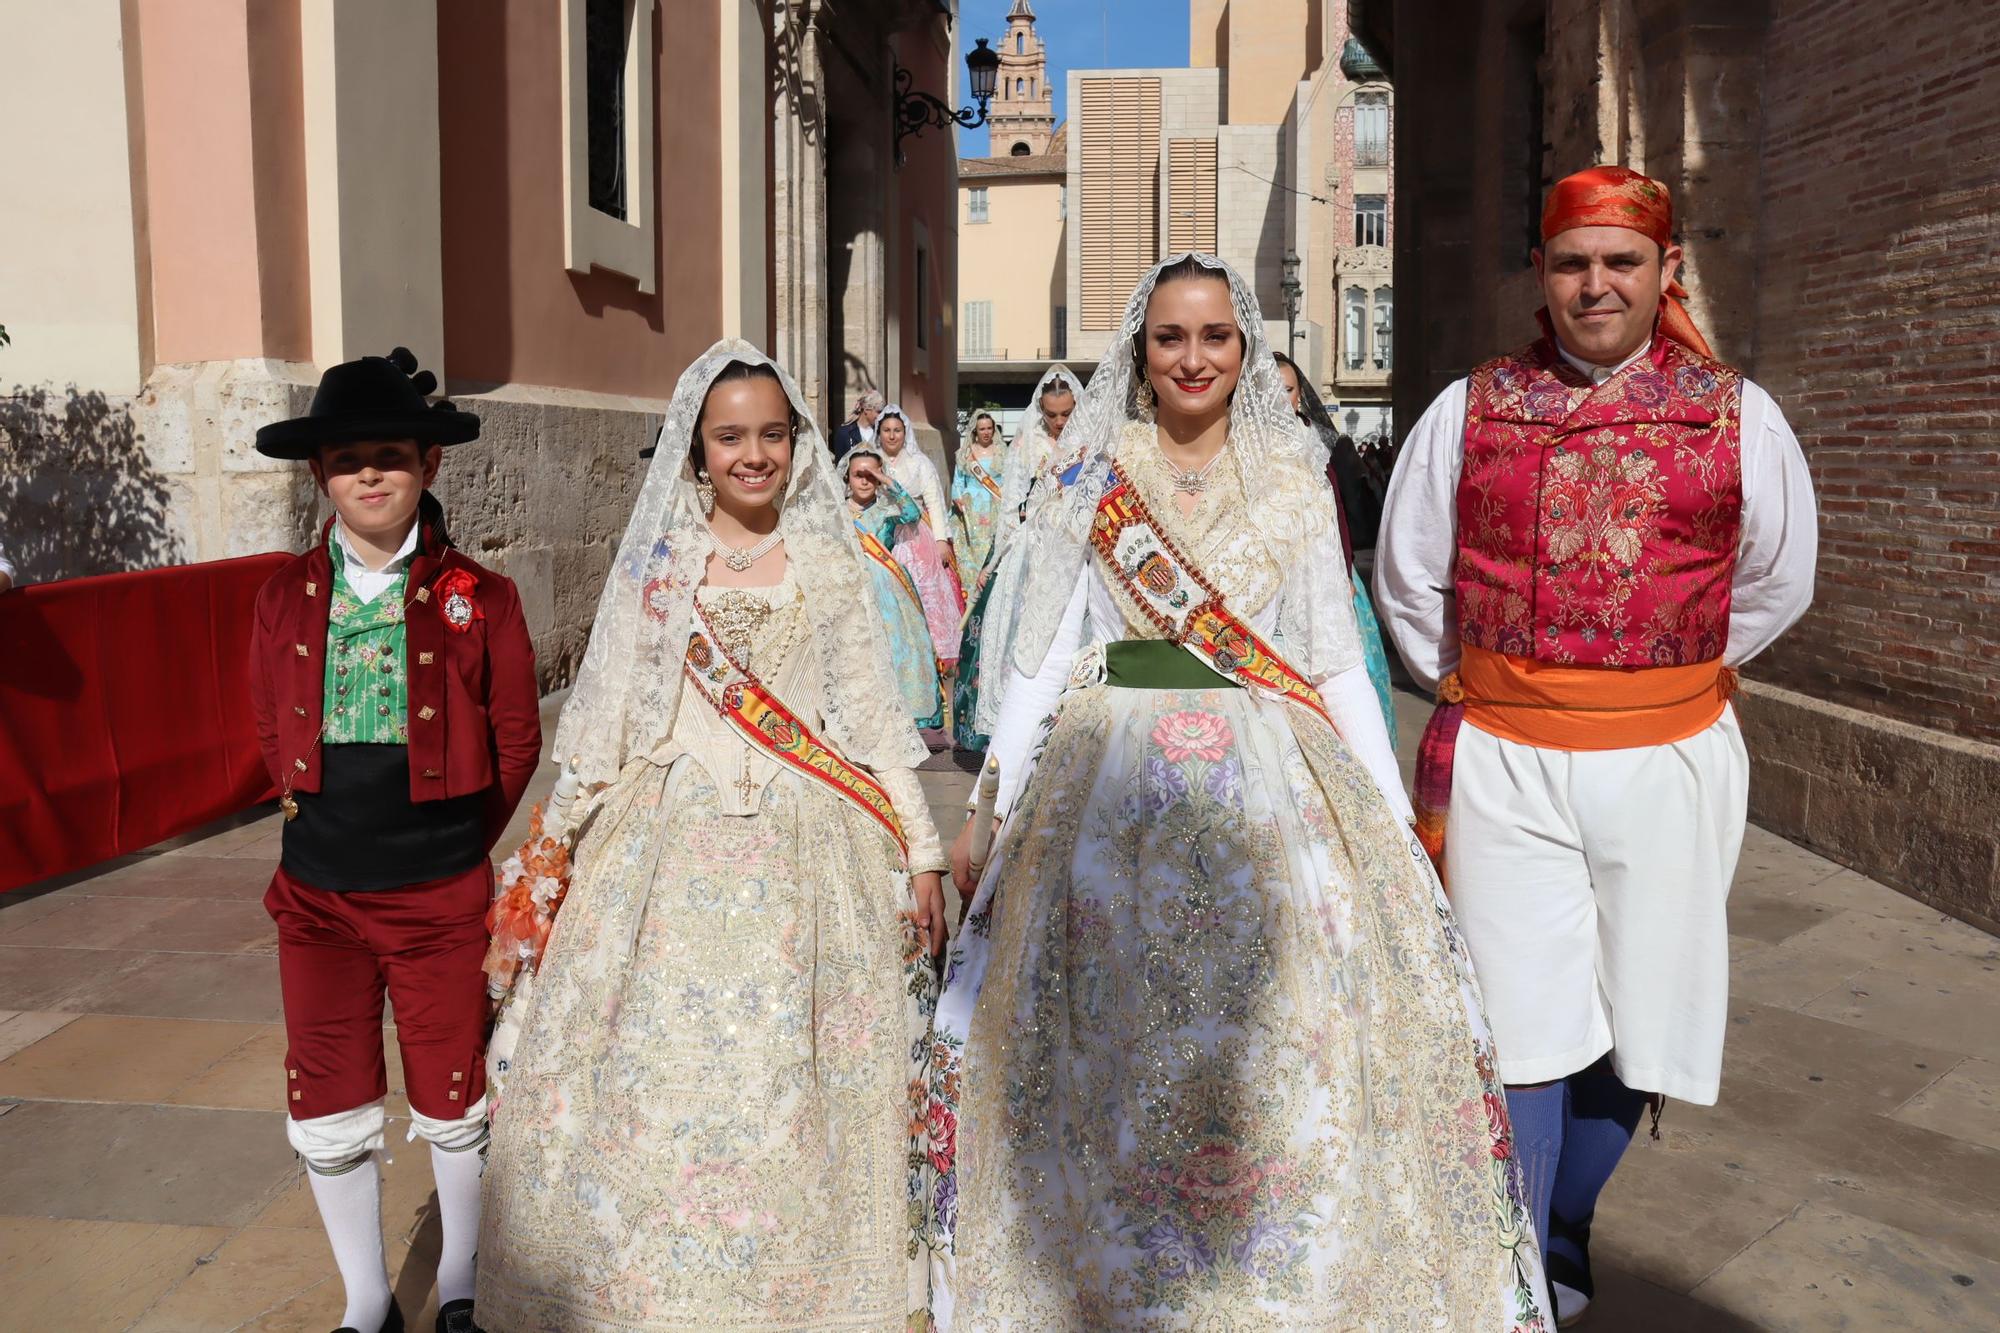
(456,1317)
(1572,1277)
(391,1322)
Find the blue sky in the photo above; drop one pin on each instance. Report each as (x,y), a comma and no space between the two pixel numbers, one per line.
(1081,34)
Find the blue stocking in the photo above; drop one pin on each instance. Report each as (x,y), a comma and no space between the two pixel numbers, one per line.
(1597,1128)
(1538,1115)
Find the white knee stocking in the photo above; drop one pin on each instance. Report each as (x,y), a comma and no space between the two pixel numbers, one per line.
(457,1176)
(350,1205)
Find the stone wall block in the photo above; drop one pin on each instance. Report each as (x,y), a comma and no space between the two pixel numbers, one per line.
(273,511)
(248,395)
(163,415)
(1911,807)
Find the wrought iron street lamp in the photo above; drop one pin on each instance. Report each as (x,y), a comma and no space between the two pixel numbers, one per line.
(916,111)
(1292,290)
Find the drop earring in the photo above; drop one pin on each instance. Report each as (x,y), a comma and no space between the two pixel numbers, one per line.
(704,491)
(1144,398)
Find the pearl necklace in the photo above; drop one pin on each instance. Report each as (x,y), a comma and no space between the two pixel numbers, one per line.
(740,560)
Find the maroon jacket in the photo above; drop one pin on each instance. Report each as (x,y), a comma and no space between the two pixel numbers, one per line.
(475,709)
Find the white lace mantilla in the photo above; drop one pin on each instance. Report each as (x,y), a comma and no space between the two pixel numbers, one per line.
(629,686)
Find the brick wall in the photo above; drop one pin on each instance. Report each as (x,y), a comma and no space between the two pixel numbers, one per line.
(1879,331)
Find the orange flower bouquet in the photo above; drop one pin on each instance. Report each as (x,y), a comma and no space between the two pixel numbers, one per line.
(531,886)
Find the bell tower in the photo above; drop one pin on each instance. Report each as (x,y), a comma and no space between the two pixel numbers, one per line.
(1023,116)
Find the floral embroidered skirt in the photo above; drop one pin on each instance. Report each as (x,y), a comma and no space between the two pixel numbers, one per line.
(1211,1054)
(707,1124)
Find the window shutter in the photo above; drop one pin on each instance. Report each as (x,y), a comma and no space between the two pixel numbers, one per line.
(1119,212)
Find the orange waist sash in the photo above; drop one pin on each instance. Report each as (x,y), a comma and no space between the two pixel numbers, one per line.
(1588,708)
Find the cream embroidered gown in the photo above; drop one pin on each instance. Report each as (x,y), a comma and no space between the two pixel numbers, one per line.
(1210,1054)
(707,1124)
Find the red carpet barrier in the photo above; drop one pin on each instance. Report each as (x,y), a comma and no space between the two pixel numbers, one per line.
(125,712)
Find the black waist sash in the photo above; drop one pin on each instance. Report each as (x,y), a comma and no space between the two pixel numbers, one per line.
(361,830)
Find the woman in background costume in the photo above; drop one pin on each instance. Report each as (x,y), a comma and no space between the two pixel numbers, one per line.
(1306,402)
(879,507)
(975,500)
(1031,473)
(924,547)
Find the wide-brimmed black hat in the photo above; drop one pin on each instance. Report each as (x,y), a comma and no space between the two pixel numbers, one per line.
(375,398)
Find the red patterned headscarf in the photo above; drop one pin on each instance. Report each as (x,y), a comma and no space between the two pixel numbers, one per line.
(1620,197)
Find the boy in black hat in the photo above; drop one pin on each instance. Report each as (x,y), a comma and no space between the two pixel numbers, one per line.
(394,686)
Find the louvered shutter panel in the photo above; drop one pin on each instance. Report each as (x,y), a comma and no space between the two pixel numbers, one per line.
(1119,219)
(1191,195)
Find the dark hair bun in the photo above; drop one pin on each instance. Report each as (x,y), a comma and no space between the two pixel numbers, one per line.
(403,359)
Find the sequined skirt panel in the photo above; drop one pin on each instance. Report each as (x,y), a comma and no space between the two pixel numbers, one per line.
(1211,1052)
(707,1125)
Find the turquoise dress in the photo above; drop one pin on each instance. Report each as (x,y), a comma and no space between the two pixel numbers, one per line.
(965,686)
(1373,654)
(975,514)
(911,655)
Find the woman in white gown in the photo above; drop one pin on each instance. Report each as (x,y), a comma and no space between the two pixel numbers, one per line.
(707,1120)
(1210,1053)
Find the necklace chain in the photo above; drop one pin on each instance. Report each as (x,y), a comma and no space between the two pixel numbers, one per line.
(739,559)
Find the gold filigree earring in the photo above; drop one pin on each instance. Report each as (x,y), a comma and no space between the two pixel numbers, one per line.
(704,491)
(1143,396)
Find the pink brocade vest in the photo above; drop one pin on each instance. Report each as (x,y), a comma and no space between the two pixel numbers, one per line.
(1598,526)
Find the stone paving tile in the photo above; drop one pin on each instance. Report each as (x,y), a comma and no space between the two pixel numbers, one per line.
(1822,1269)
(26,906)
(1629,1304)
(119,1059)
(20,1030)
(1859,1069)
(237,987)
(249,1078)
(160,924)
(1965,1104)
(185,875)
(1672,1216)
(1785,977)
(75,1275)
(97,1162)
(52,978)
(1896,1004)
(255,1271)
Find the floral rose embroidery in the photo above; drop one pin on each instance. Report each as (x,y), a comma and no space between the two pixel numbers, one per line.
(1498,1126)
(1189,734)
(941,1127)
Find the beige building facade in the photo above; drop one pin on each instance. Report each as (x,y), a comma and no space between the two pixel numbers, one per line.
(1272,146)
(556,204)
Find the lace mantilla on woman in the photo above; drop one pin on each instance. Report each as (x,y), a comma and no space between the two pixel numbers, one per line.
(1276,463)
(630,682)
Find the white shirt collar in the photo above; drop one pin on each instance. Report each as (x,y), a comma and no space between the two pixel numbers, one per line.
(355,564)
(1598,374)
(867,432)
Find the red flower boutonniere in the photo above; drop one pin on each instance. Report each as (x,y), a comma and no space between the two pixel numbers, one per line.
(454,600)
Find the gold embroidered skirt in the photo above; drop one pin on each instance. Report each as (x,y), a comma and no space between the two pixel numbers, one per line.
(1210,1054)
(707,1122)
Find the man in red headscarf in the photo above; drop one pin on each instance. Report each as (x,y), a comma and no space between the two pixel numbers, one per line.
(1580,542)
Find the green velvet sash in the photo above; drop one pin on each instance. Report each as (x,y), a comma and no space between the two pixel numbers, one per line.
(1155,664)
